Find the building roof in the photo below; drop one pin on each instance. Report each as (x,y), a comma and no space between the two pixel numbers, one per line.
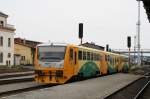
(28,43)
(3,14)
(147,7)
(93,45)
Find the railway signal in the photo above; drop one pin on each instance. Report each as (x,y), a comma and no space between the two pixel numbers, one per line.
(129,46)
(129,41)
(107,47)
(81,31)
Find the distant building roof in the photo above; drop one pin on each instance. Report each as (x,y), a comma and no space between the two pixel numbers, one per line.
(93,45)
(3,14)
(25,42)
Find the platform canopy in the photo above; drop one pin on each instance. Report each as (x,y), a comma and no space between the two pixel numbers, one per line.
(147,7)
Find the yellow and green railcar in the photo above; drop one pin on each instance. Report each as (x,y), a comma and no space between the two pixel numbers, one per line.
(58,63)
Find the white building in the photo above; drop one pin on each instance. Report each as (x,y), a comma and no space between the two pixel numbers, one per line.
(6,41)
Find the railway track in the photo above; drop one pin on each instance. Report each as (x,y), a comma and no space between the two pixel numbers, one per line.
(9,78)
(17,74)
(14,83)
(138,89)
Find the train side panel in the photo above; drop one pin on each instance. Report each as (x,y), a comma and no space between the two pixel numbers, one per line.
(104,67)
(89,64)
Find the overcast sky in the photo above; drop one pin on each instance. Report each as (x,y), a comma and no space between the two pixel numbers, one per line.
(105,21)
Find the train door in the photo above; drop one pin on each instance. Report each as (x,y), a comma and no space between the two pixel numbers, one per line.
(73,60)
(103,67)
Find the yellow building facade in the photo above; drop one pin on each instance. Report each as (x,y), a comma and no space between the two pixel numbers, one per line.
(22,54)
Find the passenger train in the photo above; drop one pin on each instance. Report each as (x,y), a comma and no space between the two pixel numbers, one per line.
(58,63)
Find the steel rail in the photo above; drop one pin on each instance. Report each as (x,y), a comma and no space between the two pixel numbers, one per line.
(146,75)
(142,90)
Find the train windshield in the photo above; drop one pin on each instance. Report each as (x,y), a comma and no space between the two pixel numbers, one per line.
(51,53)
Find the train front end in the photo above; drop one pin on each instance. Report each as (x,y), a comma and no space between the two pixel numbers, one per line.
(49,64)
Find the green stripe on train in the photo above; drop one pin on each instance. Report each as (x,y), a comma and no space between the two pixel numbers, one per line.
(125,67)
(89,69)
(111,69)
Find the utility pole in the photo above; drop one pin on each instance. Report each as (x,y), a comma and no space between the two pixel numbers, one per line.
(134,48)
(138,34)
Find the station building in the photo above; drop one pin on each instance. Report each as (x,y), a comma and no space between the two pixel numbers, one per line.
(24,51)
(6,41)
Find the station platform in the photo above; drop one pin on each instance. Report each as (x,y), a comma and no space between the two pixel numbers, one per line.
(95,88)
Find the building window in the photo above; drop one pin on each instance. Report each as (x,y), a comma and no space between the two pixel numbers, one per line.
(9,42)
(23,58)
(1,41)
(1,57)
(9,62)
(9,55)
(1,23)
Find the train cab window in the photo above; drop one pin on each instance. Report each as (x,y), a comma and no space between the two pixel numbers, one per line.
(88,56)
(91,56)
(71,53)
(80,55)
(84,55)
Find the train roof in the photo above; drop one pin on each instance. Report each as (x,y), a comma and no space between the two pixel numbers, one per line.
(81,47)
(50,44)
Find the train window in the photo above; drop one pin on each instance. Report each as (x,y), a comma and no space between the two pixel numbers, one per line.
(113,60)
(75,57)
(105,57)
(80,55)
(91,56)
(97,56)
(71,53)
(94,56)
(88,55)
(108,58)
(84,55)
(117,60)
